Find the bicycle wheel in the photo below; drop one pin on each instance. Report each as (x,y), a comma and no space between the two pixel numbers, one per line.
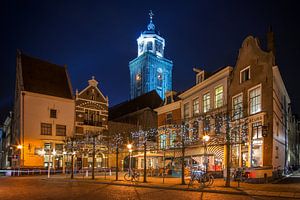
(211,180)
(127,177)
(136,177)
(205,180)
(191,183)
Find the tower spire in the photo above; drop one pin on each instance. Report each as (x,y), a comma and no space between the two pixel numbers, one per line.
(151,26)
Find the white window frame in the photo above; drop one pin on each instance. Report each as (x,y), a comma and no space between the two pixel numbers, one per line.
(215,96)
(203,104)
(198,106)
(232,103)
(187,103)
(241,72)
(249,107)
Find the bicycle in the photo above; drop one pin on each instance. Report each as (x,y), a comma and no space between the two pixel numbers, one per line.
(203,178)
(132,176)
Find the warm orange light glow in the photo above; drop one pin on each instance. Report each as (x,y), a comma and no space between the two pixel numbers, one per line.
(19,146)
(129,146)
(206,138)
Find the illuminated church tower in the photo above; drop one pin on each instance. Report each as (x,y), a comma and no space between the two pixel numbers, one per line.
(150,70)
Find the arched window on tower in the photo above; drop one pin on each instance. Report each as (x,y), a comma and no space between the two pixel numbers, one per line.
(150,46)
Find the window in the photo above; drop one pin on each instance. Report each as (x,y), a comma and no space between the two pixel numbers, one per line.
(257,145)
(52,113)
(196,106)
(46,129)
(186,111)
(149,46)
(162,141)
(169,118)
(218,124)
(169,99)
(255,100)
(256,130)
(206,125)
(59,147)
(219,97)
(172,136)
(60,130)
(237,106)
(199,78)
(206,102)
(245,75)
(277,152)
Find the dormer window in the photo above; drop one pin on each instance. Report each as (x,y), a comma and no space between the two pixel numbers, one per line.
(245,75)
(199,78)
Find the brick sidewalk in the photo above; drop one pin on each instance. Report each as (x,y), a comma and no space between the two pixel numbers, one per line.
(268,190)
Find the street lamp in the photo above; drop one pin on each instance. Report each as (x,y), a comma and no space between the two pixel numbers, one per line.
(205,139)
(129,146)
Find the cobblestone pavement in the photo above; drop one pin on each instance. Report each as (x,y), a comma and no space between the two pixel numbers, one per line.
(104,187)
(41,188)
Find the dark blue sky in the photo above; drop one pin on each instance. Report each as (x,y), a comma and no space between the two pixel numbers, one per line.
(99,38)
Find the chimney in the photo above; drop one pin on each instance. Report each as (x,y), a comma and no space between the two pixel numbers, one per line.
(271,41)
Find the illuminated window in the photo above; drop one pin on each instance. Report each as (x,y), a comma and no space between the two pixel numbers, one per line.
(60,130)
(257,145)
(172,136)
(255,100)
(237,106)
(52,113)
(162,141)
(196,106)
(206,102)
(219,97)
(46,129)
(186,110)
(245,75)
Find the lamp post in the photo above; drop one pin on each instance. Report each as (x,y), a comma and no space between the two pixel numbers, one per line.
(63,164)
(129,146)
(19,147)
(205,139)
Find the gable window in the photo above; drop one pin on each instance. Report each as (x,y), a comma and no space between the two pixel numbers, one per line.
(196,106)
(169,118)
(219,97)
(186,110)
(206,102)
(46,129)
(237,106)
(60,130)
(53,113)
(255,100)
(245,75)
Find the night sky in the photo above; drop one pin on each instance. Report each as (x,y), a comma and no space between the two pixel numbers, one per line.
(99,38)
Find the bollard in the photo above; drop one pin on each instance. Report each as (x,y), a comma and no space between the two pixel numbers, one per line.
(110,172)
(266,178)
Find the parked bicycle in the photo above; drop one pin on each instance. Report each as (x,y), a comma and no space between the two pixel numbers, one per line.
(132,176)
(240,175)
(204,179)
